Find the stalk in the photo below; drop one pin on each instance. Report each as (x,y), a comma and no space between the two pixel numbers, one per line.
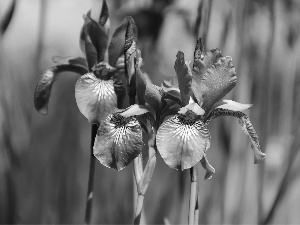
(193,194)
(89,198)
(143,177)
(138,210)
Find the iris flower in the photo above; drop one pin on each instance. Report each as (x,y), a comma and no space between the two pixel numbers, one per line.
(100,88)
(184,139)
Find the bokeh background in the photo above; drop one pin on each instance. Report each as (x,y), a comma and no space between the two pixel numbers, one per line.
(44,160)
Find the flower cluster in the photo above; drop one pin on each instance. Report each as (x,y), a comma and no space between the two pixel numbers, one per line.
(175,115)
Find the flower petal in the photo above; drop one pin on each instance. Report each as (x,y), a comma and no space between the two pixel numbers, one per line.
(182,141)
(213,76)
(95,98)
(209,169)
(118,142)
(116,45)
(133,110)
(247,127)
(129,50)
(98,36)
(43,88)
(194,107)
(104,19)
(184,78)
(147,93)
(231,105)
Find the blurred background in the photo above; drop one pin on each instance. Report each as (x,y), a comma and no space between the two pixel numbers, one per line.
(44,160)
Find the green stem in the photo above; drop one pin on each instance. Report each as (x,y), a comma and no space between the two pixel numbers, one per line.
(193,195)
(138,210)
(89,198)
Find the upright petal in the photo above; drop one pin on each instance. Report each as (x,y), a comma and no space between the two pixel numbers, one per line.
(118,142)
(43,88)
(116,45)
(104,19)
(98,36)
(182,141)
(184,78)
(95,98)
(213,76)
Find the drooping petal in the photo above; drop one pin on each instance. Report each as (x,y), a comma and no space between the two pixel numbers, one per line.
(247,127)
(184,78)
(209,169)
(95,98)
(43,88)
(182,141)
(118,142)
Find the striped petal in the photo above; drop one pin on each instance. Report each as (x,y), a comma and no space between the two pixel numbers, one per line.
(43,88)
(95,98)
(118,142)
(182,141)
(247,127)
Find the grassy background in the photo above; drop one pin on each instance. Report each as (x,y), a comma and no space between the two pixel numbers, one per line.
(44,160)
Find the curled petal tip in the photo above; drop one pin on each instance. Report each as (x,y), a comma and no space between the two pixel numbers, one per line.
(259,157)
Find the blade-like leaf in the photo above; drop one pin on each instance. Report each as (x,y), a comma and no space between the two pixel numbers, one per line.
(97,35)
(95,98)
(118,142)
(43,88)
(247,127)
(184,78)
(5,21)
(182,141)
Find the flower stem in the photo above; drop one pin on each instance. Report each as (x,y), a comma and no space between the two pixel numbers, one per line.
(139,208)
(193,194)
(89,198)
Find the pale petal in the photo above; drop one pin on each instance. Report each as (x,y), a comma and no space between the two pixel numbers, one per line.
(118,142)
(95,98)
(231,105)
(182,141)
